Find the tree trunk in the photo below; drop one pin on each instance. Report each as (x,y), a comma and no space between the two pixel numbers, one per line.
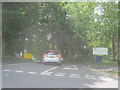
(113,49)
(119,48)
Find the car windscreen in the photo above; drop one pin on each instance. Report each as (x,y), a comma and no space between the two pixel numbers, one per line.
(52,53)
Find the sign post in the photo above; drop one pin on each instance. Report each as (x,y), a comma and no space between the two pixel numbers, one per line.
(27,55)
(98,51)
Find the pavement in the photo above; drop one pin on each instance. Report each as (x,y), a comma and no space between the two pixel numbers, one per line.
(106,69)
(14,61)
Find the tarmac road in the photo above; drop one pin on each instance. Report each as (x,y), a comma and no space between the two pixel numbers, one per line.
(37,75)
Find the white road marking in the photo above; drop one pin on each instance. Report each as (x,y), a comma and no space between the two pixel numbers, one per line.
(50,69)
(90,77)
(46,71)
(75,75)
(32,72)
(46,74)
(70,68)
(18,71)
(7,70)
(60,74)
(73,67)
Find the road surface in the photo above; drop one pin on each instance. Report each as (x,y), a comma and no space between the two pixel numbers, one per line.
(37,75)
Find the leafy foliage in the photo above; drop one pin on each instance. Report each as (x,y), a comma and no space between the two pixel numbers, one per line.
(72,27)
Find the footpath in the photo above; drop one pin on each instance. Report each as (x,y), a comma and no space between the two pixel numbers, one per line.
(13,61)
(105,69)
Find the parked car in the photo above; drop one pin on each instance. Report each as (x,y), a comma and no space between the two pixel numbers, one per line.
(52,56)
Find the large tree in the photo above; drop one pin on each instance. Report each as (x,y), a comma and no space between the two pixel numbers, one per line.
(72,27)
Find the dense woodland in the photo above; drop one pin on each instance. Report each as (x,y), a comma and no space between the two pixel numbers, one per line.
(74,28)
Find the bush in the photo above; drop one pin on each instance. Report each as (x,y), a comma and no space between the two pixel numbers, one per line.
(8,57)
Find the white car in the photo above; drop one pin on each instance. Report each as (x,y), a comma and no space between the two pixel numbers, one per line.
(52,56)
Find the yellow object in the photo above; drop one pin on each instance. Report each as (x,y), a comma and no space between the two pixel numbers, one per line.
(27,55)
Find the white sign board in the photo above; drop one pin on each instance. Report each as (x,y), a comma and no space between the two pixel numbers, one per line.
(100,51)
(25,51)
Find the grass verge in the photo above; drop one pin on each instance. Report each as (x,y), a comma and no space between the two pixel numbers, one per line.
(104,62)
(8,57)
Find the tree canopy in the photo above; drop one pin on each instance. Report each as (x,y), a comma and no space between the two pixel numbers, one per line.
(74,28)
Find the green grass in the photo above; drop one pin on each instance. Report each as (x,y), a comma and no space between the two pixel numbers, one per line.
(115,72)
(104,62)
(8,57)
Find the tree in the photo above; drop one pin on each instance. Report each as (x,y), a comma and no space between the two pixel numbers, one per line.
(72,27)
